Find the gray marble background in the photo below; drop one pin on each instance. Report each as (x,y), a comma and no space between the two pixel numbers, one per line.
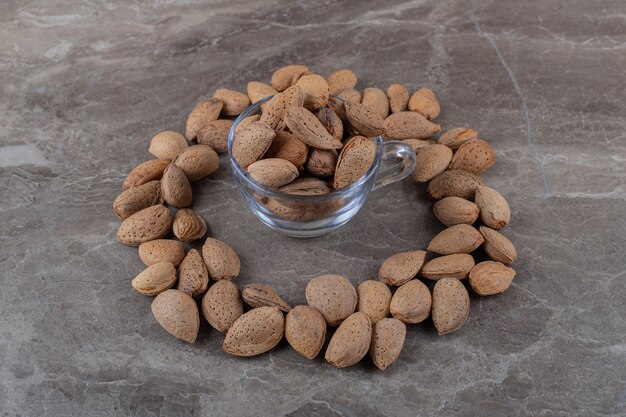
(85,84)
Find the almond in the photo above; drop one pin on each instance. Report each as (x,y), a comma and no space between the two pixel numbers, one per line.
(398,98)
(176,188)
(355,159)
(451,305)
(494,210)
(424,102)
(363,119)
(162,250)
(138,198)
(401,267)
(273,172)
(376,100)
(222,305)
(287,146)
(274,110)
(475,156)
(418,144)
(351,341)
(257,91)
(457,136)
(387,341)
(255,332)
(178,314)
(461,238)
(252,142)
(189,225)
(455,210)
(431,161)
(374,298)
(322,162)
(148,224)
(409,125)
(306,186)
(331,121)
(202,113)
(155,279)
(246,121)
(454,183)
(315,89)
(193,276)
(456,266)
(297,212)
(234,102)
(166,145)
(336,103)
(197,162)
(489,278)
(497,246)
(333,296)
(411,302)
(259,295)
(341,80)
(305,330)
(145,172)
(282,78)
(309,129)
(220,259)
(215,134)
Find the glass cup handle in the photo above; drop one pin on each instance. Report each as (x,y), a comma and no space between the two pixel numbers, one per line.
(397,163)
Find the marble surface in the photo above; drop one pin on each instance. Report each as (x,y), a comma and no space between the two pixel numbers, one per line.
(84,85)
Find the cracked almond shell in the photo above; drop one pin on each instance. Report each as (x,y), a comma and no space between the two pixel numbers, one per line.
(178,314)
(255,332)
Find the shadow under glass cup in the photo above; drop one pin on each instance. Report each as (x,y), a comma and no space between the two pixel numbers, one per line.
(315,215)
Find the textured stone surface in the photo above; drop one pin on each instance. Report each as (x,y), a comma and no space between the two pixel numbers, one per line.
(84,85)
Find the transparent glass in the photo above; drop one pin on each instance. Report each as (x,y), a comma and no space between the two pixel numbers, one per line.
(315,215)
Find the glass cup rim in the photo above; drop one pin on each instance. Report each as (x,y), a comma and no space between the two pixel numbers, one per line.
(241,173)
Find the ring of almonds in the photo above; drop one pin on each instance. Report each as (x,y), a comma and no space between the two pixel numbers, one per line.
(306,141)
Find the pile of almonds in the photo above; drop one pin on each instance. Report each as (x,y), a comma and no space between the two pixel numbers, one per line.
(295,140)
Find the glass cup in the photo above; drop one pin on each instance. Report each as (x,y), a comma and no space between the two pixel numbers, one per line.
(315,215)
